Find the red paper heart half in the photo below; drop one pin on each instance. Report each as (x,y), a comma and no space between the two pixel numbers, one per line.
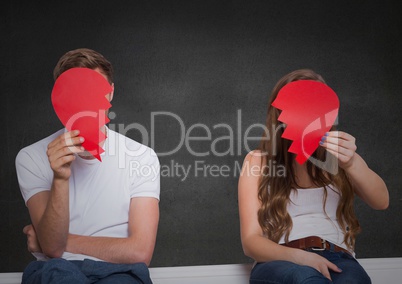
(79,100)
(309,110)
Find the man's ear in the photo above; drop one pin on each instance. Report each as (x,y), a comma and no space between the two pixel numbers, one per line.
(110,95)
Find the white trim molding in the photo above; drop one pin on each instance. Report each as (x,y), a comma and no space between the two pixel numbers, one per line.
(383,270)
(380,270)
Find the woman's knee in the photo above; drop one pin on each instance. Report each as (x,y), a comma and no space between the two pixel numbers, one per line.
(352,272)
(307,274)
(286,272)
(352,277)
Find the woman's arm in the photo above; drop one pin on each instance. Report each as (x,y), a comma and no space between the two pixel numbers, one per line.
(367,184)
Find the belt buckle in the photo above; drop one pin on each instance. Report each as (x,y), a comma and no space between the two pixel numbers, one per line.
(322,248)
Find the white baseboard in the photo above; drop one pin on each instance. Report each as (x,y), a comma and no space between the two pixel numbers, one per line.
(10,278)
(211,274)
(381,271)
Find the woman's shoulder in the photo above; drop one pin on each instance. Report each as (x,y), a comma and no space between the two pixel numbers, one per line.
(253,162)
(255,157)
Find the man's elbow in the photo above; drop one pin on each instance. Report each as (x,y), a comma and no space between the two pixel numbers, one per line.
(53,253)
(147,259)
(141,255)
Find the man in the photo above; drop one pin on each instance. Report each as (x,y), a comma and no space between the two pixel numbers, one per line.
(92,221)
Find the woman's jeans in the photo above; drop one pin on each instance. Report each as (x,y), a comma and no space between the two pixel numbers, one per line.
(286,272)
(60,271)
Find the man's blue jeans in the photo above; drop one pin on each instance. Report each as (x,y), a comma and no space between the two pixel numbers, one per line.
(60,271)
(290,273)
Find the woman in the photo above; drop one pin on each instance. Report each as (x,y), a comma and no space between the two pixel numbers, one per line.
(301,227)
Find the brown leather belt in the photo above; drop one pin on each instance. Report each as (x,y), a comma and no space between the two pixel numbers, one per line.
(314,243)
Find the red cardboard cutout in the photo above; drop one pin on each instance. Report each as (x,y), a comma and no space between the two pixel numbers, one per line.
(309,109)
(79,100)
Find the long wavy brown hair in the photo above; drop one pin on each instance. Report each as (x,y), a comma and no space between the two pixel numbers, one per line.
(274,191)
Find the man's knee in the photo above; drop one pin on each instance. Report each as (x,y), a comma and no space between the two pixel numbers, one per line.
(121,278)
(56,270)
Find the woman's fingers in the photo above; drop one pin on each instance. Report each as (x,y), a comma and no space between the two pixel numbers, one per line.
(340,144)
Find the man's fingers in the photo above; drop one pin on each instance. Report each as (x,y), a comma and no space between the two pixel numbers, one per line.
(68,139)
(26,229)
(61,157)
(62,143)
(64,136)
(61,161)
(61,152)
(63,147)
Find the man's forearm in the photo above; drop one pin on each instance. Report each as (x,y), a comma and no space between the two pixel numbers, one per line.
(116,250)
(53,227)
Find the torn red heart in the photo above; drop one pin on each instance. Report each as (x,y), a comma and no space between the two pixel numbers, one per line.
(79,100)
(309,110)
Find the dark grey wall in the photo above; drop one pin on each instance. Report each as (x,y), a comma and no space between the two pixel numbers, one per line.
(208,62)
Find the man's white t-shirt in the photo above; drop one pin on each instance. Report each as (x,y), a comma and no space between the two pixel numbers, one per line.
(100,192)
